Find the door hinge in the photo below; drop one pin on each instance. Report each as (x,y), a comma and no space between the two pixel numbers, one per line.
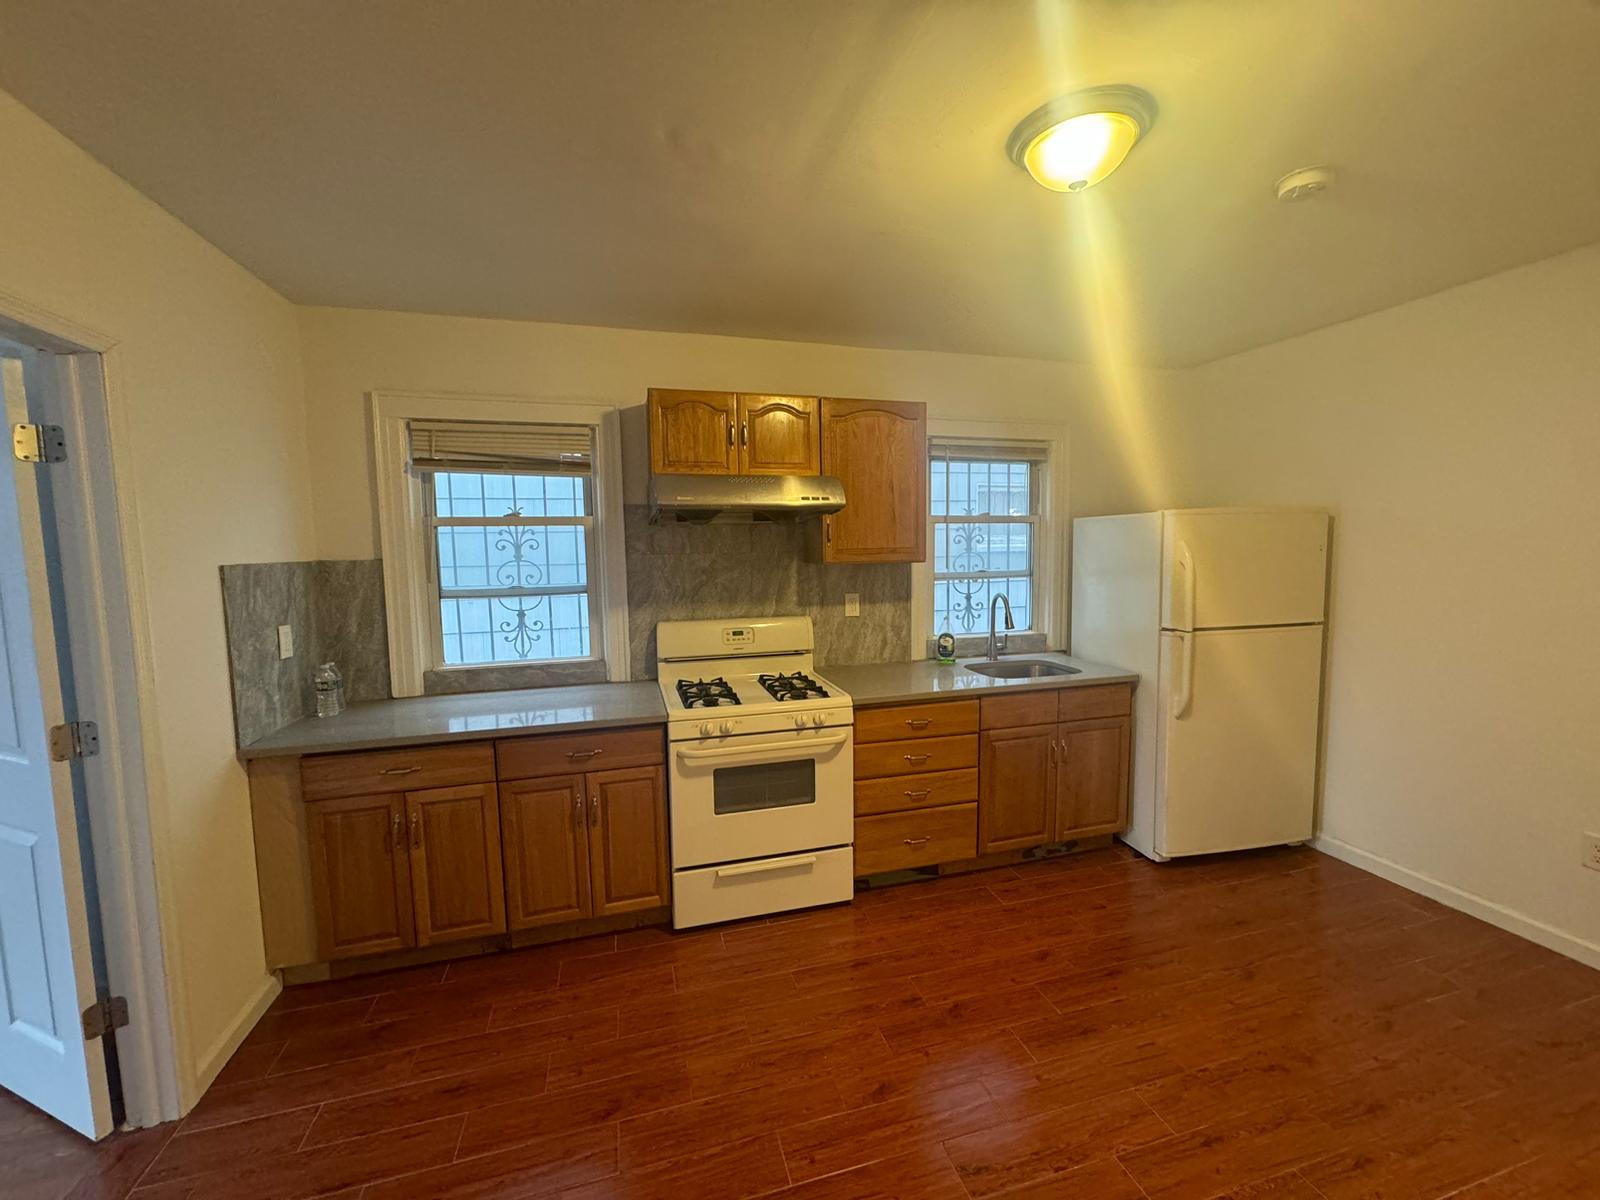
(76,739)
(101,1017)
(39,443)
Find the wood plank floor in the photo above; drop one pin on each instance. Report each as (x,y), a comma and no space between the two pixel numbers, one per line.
(1271,1026)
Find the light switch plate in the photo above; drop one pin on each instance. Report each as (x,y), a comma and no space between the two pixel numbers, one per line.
(1591,851)
(852,604)
(285,641)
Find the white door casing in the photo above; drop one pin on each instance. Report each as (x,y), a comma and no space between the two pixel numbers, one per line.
(46,972)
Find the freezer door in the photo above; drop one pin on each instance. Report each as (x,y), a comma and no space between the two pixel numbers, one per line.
(1238,714)
(1224,570)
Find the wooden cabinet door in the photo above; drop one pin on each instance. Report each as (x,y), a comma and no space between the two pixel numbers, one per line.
(1015,788)
(456,878)
(778,435)
(693,433)
(1092,778)
(360,877)
(628,840)
(545,827)
(879,450)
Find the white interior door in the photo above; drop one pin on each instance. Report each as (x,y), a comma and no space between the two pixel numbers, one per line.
(1238,711)
(1225,570)
(46,970)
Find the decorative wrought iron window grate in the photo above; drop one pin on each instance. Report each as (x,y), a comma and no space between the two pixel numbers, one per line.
(512,554)
(985,511)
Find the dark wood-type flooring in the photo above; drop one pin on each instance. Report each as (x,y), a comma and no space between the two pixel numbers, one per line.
(1271,1026)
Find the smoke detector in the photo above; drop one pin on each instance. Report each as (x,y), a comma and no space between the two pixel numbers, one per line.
(1304,184)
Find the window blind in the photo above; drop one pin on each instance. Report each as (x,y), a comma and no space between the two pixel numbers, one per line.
(496,446)
(987,450)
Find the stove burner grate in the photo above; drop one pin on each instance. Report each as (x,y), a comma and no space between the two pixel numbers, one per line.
(796,686)
(706,693)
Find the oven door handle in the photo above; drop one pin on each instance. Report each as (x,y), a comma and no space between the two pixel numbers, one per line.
(772,864)
(769,752)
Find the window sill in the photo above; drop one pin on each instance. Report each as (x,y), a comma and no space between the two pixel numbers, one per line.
(972,645)
(446,681)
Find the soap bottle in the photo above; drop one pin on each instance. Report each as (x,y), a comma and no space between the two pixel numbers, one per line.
(945,647)
(329,685)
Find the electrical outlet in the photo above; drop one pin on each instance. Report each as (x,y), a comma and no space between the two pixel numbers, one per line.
(852,604)
(1591,851)
(285,641)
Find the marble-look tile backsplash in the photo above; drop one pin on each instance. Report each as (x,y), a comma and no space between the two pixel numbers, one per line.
(336,609)
(760,569)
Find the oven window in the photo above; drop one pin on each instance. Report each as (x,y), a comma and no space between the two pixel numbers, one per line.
(765,785)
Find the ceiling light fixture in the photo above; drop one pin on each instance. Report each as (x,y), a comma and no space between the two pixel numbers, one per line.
(1075,141)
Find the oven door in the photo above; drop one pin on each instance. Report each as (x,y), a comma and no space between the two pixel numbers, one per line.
(761,794)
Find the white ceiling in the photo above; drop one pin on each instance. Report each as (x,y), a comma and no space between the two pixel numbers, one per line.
(833,170)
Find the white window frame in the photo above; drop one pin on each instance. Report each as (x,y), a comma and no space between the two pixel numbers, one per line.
(1052,529)
(405,526)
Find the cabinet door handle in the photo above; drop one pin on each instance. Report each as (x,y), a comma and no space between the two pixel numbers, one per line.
(394,839)
(919,722)
(730,433)
(918,841)
(416,832)
(1055,749)
(399,770)
(827,531)
(916,758)
(917,795)
(594,809)
(744,434)
(584,754)
(577,809)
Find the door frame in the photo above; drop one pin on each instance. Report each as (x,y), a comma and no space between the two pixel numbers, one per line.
(112,657)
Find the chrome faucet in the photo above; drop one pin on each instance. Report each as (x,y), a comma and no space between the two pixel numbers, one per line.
(997,645)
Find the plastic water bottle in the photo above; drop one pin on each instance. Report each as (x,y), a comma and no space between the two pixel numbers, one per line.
(329,686)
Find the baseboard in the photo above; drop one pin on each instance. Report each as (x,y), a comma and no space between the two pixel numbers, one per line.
(220,1051)
(1475,906)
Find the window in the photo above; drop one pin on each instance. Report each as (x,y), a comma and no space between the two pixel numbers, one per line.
(986,501)
(501,543)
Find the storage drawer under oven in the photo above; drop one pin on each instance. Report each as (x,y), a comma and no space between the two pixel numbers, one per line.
(704,895)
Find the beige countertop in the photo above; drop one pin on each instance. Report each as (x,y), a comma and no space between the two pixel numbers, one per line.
(468,717)
(892,683)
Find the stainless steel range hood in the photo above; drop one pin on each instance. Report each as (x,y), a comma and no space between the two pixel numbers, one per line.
(743,497)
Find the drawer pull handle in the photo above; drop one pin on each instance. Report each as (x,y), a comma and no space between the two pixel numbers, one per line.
(917,795)
(399,770)
(584,754)
(776,864)
(918,841)
(919,722)
(916,758)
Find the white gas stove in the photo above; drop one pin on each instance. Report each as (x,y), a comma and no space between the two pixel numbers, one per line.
(762,777)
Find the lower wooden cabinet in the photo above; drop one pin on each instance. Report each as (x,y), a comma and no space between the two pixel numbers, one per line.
(920,837)
(1092,765)
(592,845)
(361,877)
(406,869)
(1016,807)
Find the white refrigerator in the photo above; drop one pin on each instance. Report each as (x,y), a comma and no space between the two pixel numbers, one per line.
(1221,613)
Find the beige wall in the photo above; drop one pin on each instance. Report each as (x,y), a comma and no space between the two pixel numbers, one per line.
(1457,441)
(349,352)
(209,384)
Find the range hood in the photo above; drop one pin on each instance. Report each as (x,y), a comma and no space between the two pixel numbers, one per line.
(743,497)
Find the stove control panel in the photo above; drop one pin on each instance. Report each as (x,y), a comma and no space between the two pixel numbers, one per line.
(738,635)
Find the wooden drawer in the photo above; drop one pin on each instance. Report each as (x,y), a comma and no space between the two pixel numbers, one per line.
(916,720)
(899,841)
(1090,703)
(899,793)
(877,759)
(371,772)
(563,753)
(1014,709)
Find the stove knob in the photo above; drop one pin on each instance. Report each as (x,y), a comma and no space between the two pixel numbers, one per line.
(727,728)
(707,729)
(819,719)
(799,720)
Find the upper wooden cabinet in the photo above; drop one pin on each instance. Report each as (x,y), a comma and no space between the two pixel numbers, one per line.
(879,450)
(693,433)
(724,433)
(778,435)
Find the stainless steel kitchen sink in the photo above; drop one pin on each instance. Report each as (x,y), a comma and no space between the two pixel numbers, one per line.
(1021,668)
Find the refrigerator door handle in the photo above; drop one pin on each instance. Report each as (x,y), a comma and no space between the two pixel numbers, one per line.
(1185,682)
(1186,565)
